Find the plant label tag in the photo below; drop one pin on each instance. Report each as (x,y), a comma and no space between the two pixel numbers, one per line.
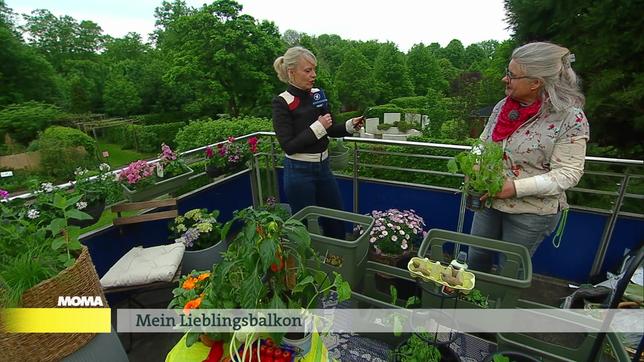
(6,174)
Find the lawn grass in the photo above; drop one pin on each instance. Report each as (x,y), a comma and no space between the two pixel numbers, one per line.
(120,157)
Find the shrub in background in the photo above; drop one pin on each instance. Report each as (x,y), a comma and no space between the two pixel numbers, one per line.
(59,153)
(201,133)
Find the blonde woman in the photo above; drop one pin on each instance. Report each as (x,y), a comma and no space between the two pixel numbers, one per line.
(302,123)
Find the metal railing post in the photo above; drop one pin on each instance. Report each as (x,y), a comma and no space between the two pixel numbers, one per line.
(355,179)
(610,226)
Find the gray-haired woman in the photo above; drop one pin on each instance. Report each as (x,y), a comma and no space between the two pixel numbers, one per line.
(544,131)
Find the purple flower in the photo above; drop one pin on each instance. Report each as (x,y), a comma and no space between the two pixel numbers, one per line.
(4,194)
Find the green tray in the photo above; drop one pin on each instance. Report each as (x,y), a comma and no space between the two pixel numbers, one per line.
(502,290)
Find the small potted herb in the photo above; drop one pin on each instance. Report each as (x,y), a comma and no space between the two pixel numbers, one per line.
(483,170)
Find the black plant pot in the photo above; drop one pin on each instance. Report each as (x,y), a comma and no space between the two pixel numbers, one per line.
(473,200)
(214,171)
(94,210)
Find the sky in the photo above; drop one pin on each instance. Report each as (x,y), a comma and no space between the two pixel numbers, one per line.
(404,22)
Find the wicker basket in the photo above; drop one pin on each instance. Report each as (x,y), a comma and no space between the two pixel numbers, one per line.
(79,279)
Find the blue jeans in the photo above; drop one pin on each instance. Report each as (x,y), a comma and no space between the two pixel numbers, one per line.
(313,184)
(528,230)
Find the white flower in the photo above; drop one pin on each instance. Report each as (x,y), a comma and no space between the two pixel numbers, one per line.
(81,205)
(47,187)
(394,238)
(181,228)
(385,233)
(401,232)
(372,240)
(80,171)
(33,214)
(404,246)
(104,167)
(477,150)
(407,237)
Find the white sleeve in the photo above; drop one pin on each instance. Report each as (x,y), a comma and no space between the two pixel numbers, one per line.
(348,125)
(318,129)
(567,167)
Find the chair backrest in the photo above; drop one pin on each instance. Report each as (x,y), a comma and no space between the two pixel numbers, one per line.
(149,216)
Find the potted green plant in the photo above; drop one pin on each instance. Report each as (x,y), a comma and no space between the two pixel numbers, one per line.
(200,232)
(338,155)
(97,190)
(475,299)
(143,181)
(510,356)
(266,266)
(229,156)
(483,170)
(417,348)
(41,259)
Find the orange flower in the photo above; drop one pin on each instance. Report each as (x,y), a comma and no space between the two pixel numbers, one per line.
(189,283)
(203,276)
(193,304)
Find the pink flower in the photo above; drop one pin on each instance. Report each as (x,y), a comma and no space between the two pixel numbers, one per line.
(4,194)
(209,152)
(231,139)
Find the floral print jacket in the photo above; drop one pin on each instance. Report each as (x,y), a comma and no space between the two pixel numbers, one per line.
(544,156)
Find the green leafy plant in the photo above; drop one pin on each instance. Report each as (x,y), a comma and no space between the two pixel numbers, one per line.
(269,265)
(36,240)
(500,358)
(416,349)
(476,297)
(98,186)
(482,167)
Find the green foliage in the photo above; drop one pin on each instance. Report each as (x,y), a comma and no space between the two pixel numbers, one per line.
(391,74)
(347,115)
(24,121)
(419,102)
(25,74)
(417,349)
(144,138)
(379,111)
(454,129)
(608,49)
(59,156)
(36,242)
(355,82)
(482,166)
(201,133)
(121,97)
(476,297)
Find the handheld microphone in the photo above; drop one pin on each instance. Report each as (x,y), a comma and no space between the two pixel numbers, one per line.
(320,101)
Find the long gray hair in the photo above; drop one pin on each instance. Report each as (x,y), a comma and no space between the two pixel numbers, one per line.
(551,63)
(289,61)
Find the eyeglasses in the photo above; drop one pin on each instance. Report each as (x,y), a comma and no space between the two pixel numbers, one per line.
(512,76)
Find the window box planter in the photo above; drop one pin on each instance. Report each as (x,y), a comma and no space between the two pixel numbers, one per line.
(160,188)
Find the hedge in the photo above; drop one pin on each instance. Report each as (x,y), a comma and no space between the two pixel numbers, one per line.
(200,133)
(144,138)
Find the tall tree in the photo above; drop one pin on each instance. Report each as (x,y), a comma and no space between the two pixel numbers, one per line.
(423,64)
(354,83)
(226,58)
(391,75)
(455,53)
(608,46)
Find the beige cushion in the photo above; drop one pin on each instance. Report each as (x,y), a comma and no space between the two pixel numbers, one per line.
(145,265)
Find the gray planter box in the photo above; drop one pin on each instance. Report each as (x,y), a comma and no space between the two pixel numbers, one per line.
(202,259)
(160,188)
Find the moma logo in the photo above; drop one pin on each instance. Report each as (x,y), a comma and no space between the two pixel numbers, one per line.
(77,301)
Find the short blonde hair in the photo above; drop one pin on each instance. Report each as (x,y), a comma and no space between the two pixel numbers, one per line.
(289,61)
(551,63)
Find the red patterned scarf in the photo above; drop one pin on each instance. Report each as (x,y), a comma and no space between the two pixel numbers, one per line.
(512,116)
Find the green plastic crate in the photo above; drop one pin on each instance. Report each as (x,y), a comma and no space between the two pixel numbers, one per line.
(549,351)
(502,290)
(353,252)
